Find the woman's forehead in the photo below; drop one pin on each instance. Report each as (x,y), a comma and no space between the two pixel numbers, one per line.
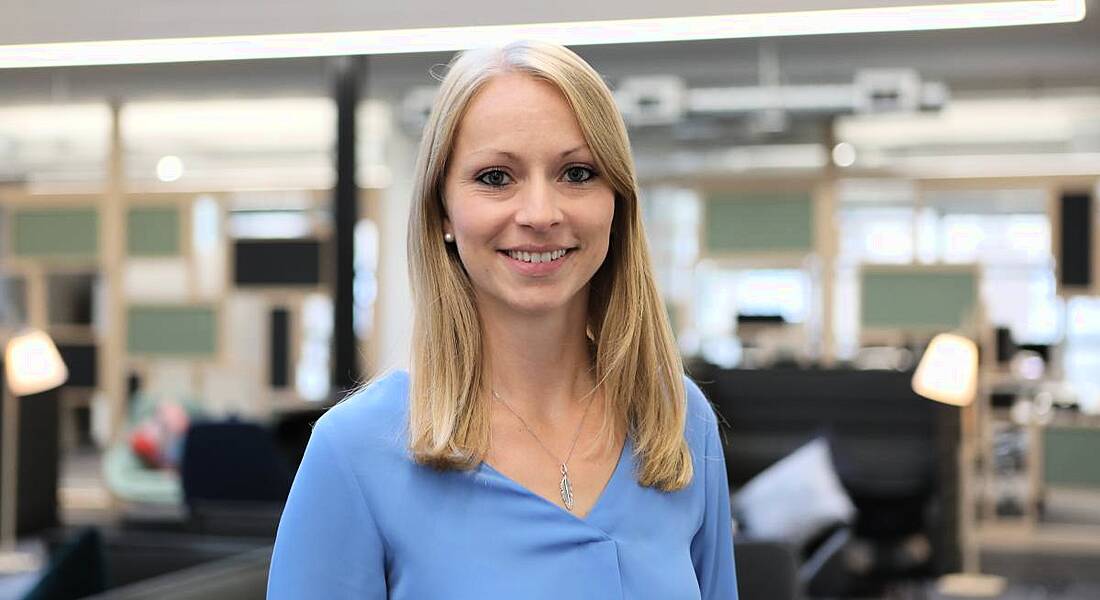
(513,111)
(502,153)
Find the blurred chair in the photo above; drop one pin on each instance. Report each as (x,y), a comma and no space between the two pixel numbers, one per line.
(235,478)
(292,430)
(766,570)
(895,454)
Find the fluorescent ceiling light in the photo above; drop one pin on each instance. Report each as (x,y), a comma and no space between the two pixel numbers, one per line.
(1070,164)
(258,124)
(70,121)
(1004,120)
(659,165)
(392,41)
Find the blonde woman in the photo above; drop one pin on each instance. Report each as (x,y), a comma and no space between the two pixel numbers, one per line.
(545,443)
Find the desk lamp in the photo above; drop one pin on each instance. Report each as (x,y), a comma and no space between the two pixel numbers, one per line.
(948,373)
(32,365)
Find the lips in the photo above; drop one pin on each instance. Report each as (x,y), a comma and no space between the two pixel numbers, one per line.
(535,269)
(537,257)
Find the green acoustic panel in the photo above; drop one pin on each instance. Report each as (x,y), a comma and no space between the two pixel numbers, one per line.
(1069,456)
(924,300)
(153,231)
(172,330)
(765,222)
(69,232)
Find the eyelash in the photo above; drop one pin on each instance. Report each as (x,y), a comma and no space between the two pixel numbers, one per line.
(592,174)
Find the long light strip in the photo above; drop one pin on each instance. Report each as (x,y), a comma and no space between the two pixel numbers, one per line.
(1082,164)
(395,41)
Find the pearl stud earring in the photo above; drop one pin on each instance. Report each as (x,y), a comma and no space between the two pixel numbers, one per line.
(448,237)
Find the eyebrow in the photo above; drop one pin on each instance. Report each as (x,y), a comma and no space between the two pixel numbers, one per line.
(513,156)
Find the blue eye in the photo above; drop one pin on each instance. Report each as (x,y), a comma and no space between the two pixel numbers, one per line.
(579,174)
(494,177)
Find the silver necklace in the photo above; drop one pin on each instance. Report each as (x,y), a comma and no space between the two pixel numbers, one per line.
(565,486)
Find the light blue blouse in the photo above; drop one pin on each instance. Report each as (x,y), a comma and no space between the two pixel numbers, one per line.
(364,521)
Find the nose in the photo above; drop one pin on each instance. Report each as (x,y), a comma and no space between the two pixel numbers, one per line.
(539,206)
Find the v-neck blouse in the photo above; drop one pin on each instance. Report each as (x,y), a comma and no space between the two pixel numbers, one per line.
(364,521)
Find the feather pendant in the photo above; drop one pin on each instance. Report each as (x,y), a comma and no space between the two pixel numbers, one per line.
(566,488)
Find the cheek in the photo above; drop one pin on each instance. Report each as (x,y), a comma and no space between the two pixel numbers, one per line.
(475,228)
(601,219)
(468,217)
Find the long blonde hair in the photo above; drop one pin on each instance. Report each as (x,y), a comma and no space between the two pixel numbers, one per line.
(636,360)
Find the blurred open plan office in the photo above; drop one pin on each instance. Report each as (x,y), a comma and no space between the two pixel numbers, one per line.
(204,214)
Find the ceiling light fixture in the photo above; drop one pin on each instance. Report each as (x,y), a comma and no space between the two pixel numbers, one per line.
(941,15)
(844,154)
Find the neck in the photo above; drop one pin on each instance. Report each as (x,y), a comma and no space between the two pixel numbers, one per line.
(540,364)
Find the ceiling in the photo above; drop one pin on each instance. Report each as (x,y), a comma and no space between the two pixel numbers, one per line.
(36,22)
(1022,89)
(1034,58)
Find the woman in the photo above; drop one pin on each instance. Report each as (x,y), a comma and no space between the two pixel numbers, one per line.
(545,443)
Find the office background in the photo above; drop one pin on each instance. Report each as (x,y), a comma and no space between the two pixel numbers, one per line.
(217,250)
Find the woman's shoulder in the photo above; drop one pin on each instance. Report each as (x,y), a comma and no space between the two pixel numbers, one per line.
(698,407)
(377,412)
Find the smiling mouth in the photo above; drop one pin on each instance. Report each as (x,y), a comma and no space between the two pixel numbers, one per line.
(537,257)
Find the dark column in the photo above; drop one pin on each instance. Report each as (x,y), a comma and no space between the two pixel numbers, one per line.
(348,72)
(37,448)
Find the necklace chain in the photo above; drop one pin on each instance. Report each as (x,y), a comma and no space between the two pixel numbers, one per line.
(576,436)
(566,485)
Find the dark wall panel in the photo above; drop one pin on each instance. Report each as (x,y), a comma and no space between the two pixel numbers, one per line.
(277,262)
(80,359)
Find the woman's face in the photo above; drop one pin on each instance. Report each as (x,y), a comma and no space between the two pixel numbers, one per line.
(529,212)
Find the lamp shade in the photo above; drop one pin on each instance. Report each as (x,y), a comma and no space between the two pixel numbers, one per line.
(948,371)
(32,364)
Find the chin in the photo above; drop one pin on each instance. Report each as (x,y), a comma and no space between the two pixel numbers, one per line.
(536,307)
(538,302)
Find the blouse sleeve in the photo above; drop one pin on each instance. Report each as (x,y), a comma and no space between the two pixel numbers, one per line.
(328,544)
(712,546)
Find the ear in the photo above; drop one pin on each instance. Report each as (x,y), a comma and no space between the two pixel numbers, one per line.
(447,226)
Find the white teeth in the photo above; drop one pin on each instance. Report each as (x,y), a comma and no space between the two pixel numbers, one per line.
(537,257)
